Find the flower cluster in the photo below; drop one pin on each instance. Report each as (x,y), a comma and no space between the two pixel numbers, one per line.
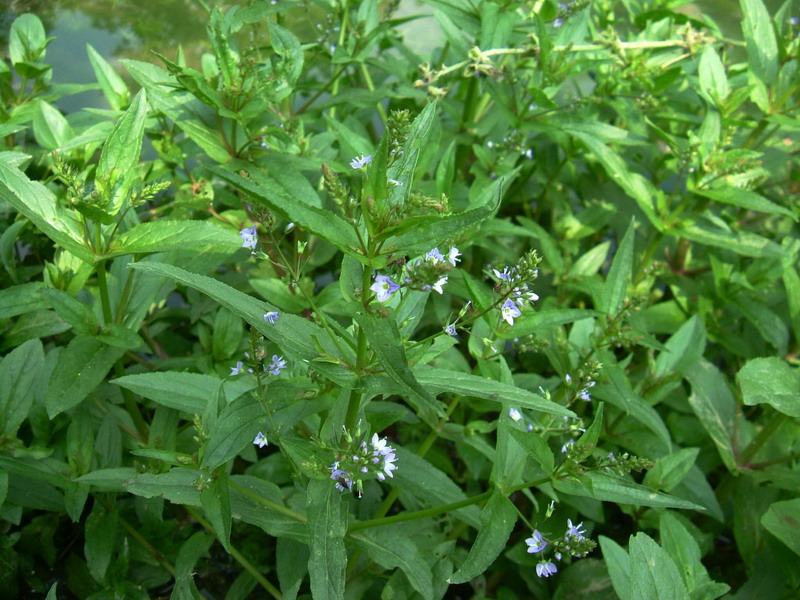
(256,358)
(574,542)
(512,282)
(585,382)
(428,273)
(361,460)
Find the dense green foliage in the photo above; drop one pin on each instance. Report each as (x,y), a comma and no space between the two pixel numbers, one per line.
(319,316)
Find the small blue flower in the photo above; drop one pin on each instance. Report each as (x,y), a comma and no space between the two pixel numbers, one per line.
(237,369)
(344,483)
(450,329)
(271,317)
(575,531)
(435,256)
(359,162)
(510,311)
(545,569)
(384,287)
(438,286)
(536,543)
(249,237)
(514,414)
(277,365)
(261,440)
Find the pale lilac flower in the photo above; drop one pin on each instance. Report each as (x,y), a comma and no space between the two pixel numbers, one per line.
(450,329)
(359,162)
(388,464)
(289,228)
(249,237)
(342,478)
(528,153)
(522,294)
(438,285)
(453,255)
(545,569)
(271,317)
(514,414)
(384,287)
(585,396)
(558,22)
(379,445)
(394,182)
(575,531)
(505,275)
(277,365)
(435,256)
(529,428)
(536,543)
(237,369)
(510,311)
(261,440)
(566,446)
(568,378)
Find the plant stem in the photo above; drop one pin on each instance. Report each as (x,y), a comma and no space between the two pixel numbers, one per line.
(134,533)
(268,503)
(239,557)
(763,436)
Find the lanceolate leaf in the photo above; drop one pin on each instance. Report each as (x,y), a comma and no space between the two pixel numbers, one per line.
(391,551)
(497,521)
(39,204)
(327,524)
(163,235)
(619,277)
(384,339)
(19,373)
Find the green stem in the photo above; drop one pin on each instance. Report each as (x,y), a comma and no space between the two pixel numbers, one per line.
(354,403)
(763,436)
(419,514)
(268,503)
(134,533)
(102,284)
(125,297)
(239,557)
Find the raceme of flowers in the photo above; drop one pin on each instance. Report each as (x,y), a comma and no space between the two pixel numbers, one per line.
(574,542)
(376,458)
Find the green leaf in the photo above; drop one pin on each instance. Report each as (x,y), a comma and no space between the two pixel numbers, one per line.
(536,447)
(637,187)
(121,151)
(236,427)
(759,36)
(426,483)
(742,242)
(746,199)
(670,470)
(384,340)
(420,234)
(611,488)
(295,335)
(217,507)
(50,128)
(771,381)
(498,518)
(683,349)
(619,566)
(271,192)
(163,235)
(72,310)
(287,46)
(26,40)
(547,319)
(618,393)
(100,532)
(3,486)
(327,524)
(188,113)
(713,81)
(712,402)
(292,565)
(36,202)
(619,276)
(114,88)
(187,392)
(653,572)
(19,373)
(81,367)
(190,553)
(783,521)
(592,433)
(391,550)
(442,380)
